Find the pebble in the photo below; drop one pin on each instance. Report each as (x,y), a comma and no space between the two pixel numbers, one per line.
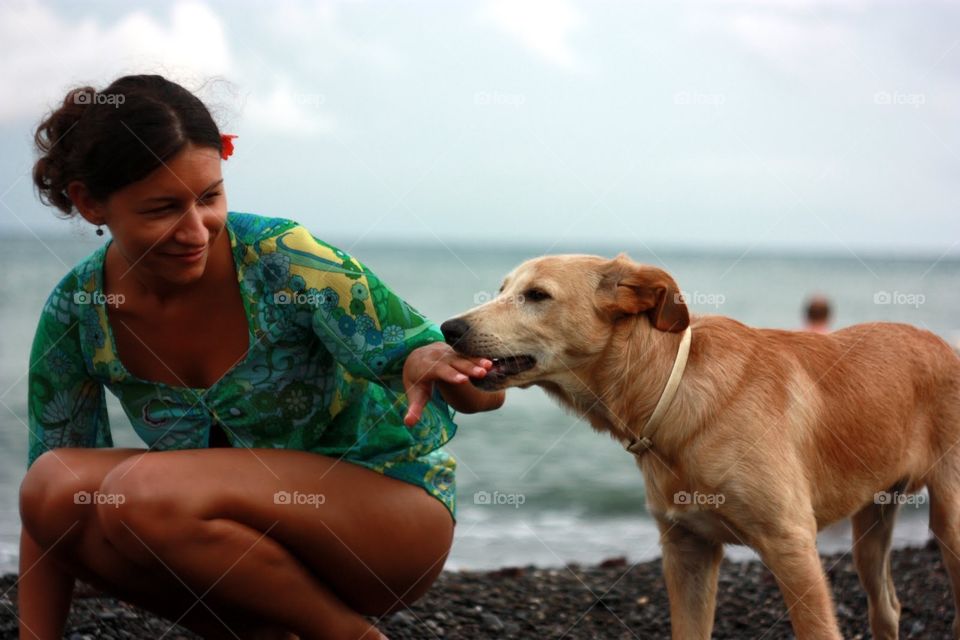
(403,618)
(610,563)
(607,600)
(490,621)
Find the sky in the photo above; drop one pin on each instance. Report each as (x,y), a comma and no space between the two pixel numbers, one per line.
(784,125)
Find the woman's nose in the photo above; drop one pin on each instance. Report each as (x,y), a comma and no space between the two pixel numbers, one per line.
(191,228)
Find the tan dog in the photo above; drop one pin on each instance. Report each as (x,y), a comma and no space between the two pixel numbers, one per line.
(770,436)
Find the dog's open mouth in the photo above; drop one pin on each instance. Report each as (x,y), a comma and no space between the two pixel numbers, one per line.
(504,367)
(512,365)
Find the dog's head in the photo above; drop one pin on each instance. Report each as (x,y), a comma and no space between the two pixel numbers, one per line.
(554,314)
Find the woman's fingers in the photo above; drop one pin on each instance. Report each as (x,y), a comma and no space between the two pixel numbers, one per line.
(468,367)
(448,367)
(417,397)
(451,374)
(448,373)
(464,364)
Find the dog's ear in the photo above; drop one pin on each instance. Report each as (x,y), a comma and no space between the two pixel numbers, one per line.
(628,288)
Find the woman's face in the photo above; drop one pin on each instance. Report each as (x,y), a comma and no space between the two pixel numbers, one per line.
(165,224)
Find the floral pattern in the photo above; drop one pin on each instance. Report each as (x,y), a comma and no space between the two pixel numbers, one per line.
(323,372)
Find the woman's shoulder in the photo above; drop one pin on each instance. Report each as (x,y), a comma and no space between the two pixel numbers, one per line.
(251,228)
(292,241)
(77,287)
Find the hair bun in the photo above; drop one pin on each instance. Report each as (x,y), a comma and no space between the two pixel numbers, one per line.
(54,141)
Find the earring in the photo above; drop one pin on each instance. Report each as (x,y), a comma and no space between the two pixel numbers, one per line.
(99,230)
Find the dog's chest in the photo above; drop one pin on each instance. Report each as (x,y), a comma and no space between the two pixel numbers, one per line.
(686,505)
(708,524)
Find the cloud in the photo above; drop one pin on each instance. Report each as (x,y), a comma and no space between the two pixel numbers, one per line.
(792,35)
(317,33)
(543,26)
(288,111)
(786,40)
(46,53)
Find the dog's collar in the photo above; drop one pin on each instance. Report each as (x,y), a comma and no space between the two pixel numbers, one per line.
(639,446)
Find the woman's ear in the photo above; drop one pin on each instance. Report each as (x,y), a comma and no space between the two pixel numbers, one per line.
(628,288)
(85,203)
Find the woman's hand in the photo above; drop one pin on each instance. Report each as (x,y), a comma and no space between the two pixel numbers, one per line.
(438,362)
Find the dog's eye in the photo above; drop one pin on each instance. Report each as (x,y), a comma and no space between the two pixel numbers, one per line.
(535,295)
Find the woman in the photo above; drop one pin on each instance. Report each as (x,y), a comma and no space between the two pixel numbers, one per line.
(284,489)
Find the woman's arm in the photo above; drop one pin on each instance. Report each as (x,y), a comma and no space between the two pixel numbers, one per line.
(44,592)
(66,405)
(375,334)
(438,362)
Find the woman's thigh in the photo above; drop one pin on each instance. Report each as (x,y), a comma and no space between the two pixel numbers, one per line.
(376,541)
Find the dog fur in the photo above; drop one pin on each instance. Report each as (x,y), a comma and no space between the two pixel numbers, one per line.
(783,432)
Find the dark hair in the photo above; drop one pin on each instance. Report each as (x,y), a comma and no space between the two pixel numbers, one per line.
(114,137)
(818,309)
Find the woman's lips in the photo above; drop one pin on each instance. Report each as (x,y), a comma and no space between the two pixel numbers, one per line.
(188,257)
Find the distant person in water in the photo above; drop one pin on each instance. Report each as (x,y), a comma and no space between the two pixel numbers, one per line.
(817,314)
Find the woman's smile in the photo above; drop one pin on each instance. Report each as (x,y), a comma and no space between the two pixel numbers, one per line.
(191,255)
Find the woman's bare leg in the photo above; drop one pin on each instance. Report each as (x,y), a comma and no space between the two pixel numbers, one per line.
(362,543)
(73,541)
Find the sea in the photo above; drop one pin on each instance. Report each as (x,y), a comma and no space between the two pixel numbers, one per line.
(536,485)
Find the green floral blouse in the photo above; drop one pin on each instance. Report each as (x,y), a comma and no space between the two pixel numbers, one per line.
(323,372)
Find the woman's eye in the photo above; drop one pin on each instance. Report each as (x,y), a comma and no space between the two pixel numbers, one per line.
(169,207)
(536,295)
(206,200)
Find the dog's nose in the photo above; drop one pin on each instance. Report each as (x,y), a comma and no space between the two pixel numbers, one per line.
(453,330)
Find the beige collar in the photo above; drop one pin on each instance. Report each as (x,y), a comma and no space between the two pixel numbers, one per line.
(639,446)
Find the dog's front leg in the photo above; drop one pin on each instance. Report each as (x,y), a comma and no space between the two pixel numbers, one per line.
(793,559)
(691,565)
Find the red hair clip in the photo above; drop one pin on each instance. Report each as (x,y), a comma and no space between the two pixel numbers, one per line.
(226,142)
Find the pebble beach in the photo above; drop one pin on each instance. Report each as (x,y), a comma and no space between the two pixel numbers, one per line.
(614,599)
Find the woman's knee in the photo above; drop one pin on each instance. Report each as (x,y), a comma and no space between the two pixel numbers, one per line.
(144,509)
(403,577)
(55,495)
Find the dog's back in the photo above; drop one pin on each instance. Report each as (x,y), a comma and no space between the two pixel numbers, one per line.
(868,406)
